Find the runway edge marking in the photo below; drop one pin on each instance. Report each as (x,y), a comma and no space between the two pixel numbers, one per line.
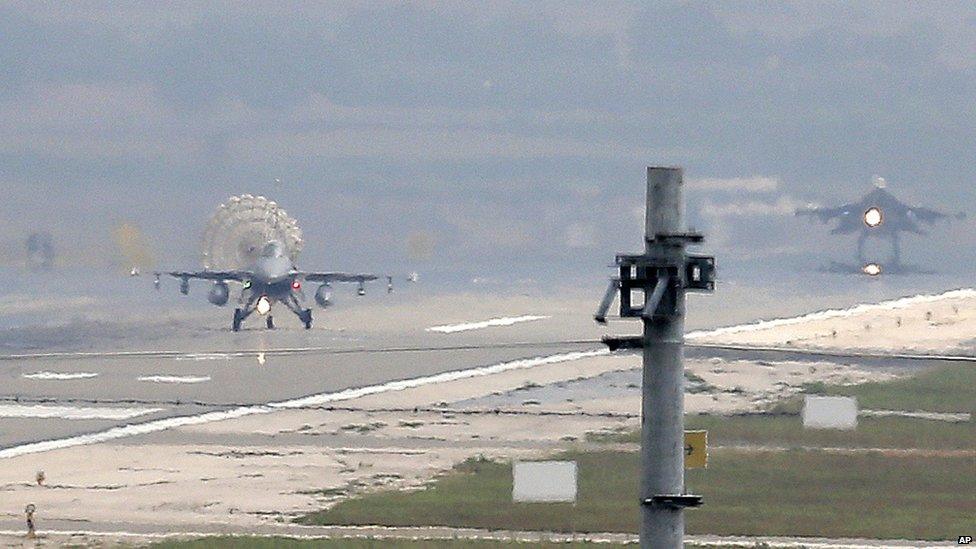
(900,303)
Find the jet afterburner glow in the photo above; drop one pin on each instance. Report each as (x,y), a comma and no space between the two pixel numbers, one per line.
(872,269)
(873,217)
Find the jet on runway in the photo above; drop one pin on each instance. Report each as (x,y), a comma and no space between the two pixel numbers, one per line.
(272,278)
(40,251)
(877,214)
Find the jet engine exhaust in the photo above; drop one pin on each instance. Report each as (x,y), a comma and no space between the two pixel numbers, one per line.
(323,296)
(219,294)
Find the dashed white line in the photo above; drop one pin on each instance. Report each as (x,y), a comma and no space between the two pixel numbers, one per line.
(205,356)
(60,376)
(71,412)
(504,321)
(175,379)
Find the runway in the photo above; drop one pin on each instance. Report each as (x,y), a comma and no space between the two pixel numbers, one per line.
(59,393)
(55,400)
(183,422)
(221,382)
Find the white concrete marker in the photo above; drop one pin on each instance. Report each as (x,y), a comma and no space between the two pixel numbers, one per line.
(544,481)
(829,412)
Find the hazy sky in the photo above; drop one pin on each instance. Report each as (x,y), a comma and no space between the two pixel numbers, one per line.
(501,136)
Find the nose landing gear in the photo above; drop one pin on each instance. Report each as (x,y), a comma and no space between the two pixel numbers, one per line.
(304,315)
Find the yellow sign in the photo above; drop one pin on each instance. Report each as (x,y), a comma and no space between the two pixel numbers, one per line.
(696,449)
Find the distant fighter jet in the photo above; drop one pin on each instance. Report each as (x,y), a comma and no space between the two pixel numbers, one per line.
(40,251)
(272,278)
(878,214)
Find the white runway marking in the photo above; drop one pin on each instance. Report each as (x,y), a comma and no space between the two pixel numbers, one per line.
(71,412)
(205,356)
(952,417)
(313,400)
(60,375)
(895,304)
(505,321)
(175,379)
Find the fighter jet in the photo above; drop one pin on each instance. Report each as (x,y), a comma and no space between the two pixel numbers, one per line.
(40,251)
(878,214)
(272,278)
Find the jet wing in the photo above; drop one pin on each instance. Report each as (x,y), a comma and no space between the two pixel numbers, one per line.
(826,214)
(240,276)
(925,214)
(336,277)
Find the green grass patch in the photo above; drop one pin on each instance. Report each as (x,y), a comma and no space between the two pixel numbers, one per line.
(789,493)
(943,389)
(787,430)
(249,542)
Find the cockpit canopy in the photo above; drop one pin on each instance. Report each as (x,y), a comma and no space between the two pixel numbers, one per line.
(273,249)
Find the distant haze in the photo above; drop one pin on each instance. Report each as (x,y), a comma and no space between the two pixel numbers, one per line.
(492,140)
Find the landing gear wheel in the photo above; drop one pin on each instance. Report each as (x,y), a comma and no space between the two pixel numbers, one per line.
(307,318)
(238,317)
(269,322)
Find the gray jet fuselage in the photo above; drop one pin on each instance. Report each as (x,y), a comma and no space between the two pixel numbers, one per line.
(273,279)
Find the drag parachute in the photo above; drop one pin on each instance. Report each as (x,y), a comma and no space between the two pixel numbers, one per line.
(240,228)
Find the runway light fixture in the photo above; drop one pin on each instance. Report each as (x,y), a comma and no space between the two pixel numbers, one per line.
(872,269)
(873,217)
(264,305)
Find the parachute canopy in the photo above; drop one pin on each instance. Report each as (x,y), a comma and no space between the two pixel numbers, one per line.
(241,227)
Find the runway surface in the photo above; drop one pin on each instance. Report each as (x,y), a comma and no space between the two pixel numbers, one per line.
(58,392)
(150,374)
(72,399)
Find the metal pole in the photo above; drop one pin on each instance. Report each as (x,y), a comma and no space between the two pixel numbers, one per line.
(664,272)
(662,398)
